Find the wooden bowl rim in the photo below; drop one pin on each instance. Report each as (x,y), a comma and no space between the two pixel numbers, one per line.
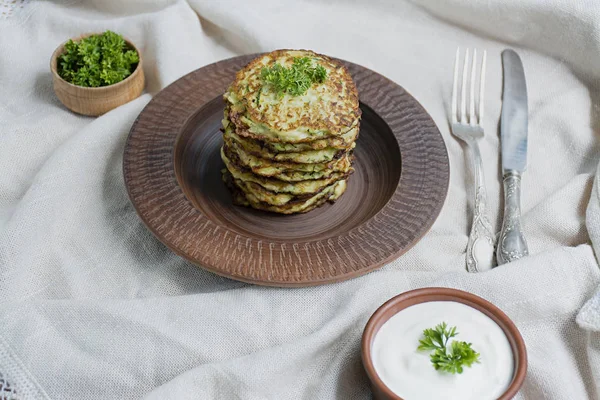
(424,295)
(59,50)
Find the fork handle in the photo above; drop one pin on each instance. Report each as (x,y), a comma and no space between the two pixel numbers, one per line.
(512,244)
(480,247)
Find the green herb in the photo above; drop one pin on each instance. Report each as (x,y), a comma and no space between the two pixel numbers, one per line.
(258,97)
(295,80)
(98,60)
(450,359)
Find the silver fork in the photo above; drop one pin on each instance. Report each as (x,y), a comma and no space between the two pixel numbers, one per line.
(469,128)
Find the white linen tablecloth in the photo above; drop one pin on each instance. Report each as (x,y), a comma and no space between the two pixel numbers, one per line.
(93,306)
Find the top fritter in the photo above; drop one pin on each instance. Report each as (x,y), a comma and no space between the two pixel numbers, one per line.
(293,96)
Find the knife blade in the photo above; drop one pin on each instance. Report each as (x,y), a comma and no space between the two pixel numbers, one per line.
(513,137)
(513,124)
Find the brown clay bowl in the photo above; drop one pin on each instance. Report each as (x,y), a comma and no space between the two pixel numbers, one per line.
(96,101)
(407,299)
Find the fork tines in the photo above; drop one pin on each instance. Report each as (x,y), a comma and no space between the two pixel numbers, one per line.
(462,117)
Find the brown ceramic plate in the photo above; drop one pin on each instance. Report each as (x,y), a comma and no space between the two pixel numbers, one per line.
(172,173)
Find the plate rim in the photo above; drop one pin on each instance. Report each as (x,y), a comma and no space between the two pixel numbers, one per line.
(338,277)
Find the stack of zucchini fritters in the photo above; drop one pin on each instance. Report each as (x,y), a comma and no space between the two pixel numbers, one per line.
(289,150)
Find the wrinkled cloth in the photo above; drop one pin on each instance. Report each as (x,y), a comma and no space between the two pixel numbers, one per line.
(93,306)
(589,316)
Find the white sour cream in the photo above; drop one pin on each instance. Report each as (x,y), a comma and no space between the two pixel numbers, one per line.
(409,372)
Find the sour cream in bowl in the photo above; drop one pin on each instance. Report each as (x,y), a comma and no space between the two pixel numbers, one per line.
(489,351)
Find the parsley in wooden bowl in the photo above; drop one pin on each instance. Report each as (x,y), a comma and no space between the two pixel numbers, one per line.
(94,73)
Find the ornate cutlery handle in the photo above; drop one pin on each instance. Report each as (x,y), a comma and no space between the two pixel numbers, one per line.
(512,244)
(480,248)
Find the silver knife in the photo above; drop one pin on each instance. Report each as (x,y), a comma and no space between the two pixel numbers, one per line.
(513,137)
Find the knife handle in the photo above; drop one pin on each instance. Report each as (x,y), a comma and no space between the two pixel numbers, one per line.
(512,244)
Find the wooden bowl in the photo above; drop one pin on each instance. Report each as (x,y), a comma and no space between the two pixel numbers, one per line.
(96,101)
(407,299)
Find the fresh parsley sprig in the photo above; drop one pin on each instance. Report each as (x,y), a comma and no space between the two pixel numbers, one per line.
(451,359)
(295,80)
(97,60)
